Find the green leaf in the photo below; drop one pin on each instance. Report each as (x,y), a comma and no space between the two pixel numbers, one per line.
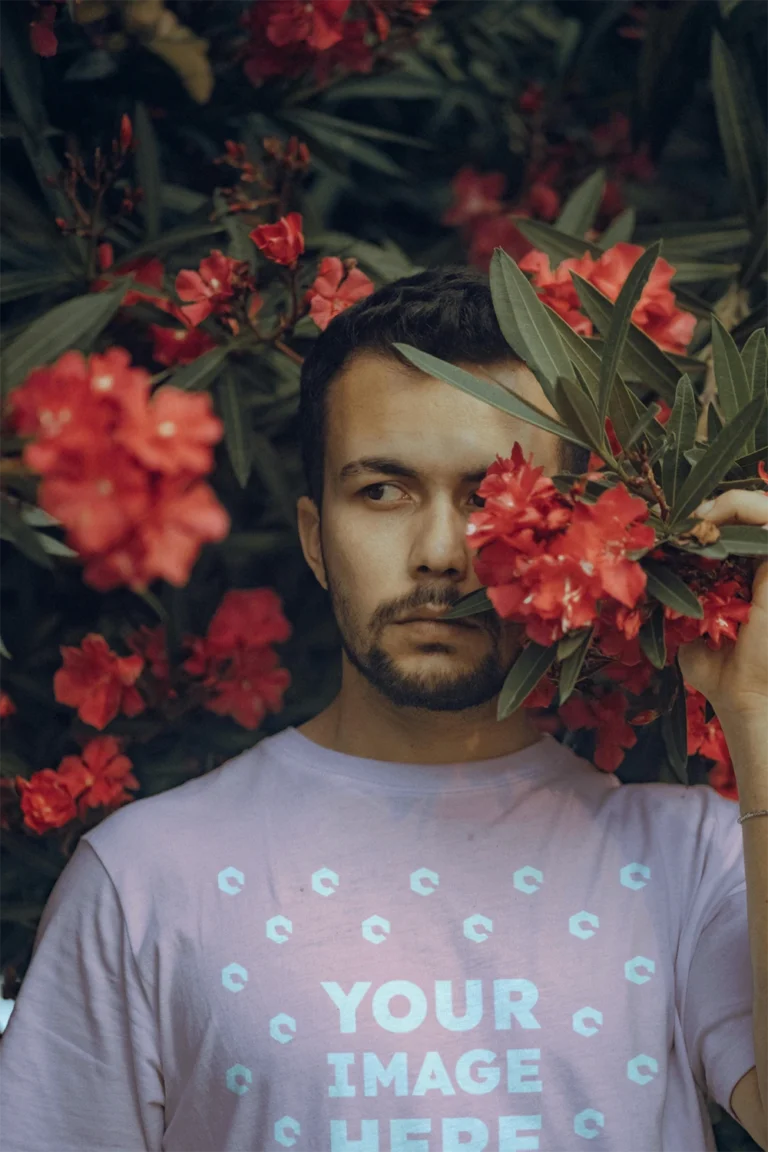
(716,461)
(19,285)
(640,355)
(523,677)
(744,539)
(620,230)
(580,209)
(681,425)
(754,255)
(754,356)
(338,142)
(13,528)
(553,243)
(575,405)
(236,431)
(470,605)
(4,651)
(652,638)
(487,391)
(570,642)
(571,665)
(74,324)
(733,387)
(267,464)
(339,124)
(674,724)
(199,374)
(742,134)
(621,317)
(526,323)
(664,585)
(148,171)
(642,426)
(581,353)
(749,463)
(699,272)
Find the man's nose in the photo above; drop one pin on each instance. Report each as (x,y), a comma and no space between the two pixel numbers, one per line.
(439,546)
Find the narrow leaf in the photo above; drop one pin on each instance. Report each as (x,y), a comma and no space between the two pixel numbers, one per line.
(148,172)
(620,230)
(236,435)
(267,464)
(199,374)
(674,724)
(681,425)
(526,323)
(570,642)
(749,463)
(575,406)
(716,461)
(621,317)
(664,585)
(699,272)
(641,358)
(487,391)
(74,324)
(754,356)
(580,209)
(555,244)
(13,528)
(643,424)
(744,539)
(523,677)
(733,387)
(571,667)
(470,605)
(652,638)
(741,133)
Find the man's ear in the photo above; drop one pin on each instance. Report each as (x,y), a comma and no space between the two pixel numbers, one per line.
(308,519)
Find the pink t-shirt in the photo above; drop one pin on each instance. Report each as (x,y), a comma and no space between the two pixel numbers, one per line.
(309,950)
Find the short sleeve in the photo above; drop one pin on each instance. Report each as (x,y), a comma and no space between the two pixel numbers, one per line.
(80,1067)
(717,998)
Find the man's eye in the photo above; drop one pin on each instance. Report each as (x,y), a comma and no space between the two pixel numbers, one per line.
(373,489)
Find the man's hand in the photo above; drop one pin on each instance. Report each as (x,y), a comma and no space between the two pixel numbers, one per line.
(735,677)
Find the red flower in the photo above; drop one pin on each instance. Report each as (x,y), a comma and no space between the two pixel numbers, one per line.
(601,535)
(126,132)
(726,605)
(173,433)
(165,544)
(175,346)
(655,312)
(98,682)
(333,291)
(146,270)
(532,98)
(46,801)
(542,201)
(247,618)
(474,194)
(209,289)
(490,232)
(252,684)
(282,242)
(99,776)
(522,505)
(314,22)
(608,715)
(41,34)
(152,646)
(7,706)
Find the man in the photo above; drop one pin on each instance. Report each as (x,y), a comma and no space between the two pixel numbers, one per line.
(402,925)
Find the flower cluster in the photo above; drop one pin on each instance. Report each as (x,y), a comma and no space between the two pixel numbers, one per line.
(121,468)
(338,284)
(550,561)
(487,219)
(96,778)
(656,312)
(291,37)
(706,738)
(557,565)
(236,660)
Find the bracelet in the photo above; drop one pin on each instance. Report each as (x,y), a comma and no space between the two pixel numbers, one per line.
(757,812)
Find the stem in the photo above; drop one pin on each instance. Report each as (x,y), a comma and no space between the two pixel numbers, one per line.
(289,352)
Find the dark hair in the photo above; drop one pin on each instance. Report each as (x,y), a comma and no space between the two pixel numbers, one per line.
(446,311)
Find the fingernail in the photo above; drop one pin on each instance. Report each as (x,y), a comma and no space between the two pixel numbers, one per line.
(704,508)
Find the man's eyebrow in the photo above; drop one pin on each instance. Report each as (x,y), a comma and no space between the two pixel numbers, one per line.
(390,467)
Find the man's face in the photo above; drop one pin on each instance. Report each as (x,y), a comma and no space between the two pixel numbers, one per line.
(405,454)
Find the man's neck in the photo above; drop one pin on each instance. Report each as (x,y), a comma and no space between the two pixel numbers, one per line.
(362,722)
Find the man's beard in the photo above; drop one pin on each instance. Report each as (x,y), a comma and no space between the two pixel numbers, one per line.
(446,693)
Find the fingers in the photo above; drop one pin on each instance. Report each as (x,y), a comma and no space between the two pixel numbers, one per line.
(738,506)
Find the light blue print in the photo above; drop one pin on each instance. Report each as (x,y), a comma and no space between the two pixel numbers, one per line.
(368,1142)
(238,1079)
(234,977)
(473,926)
(575,924)
(231,881)
(523,876)
(638,1062)
(282,1028)
(583,1123)
(286,1131)
(279,928)
(583,1015)
(424,881)
(629,873)
(631,969)
(325,881)
(473,991)
(376,929)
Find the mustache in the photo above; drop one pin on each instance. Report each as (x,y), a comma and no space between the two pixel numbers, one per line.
(387,614)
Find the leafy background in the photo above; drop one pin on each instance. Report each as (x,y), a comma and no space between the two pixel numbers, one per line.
(665,99)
